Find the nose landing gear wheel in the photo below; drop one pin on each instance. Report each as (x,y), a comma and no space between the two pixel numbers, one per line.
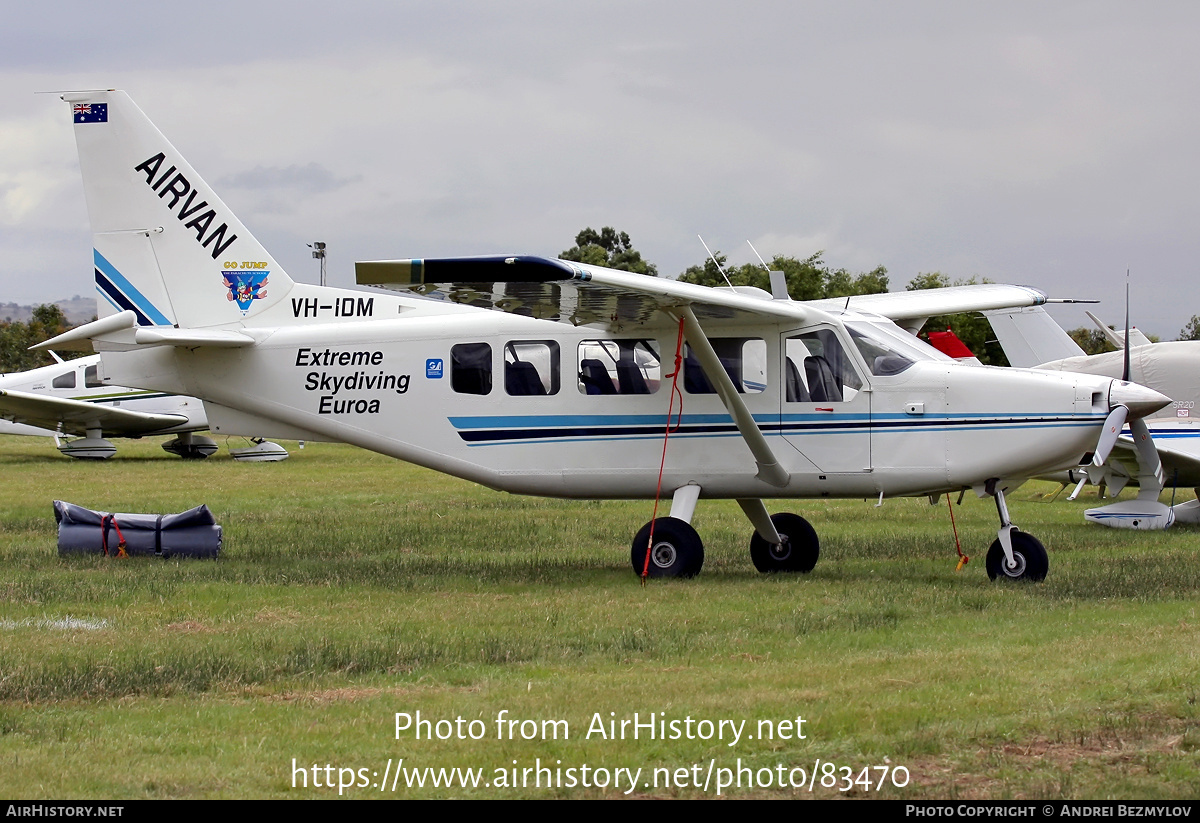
(1029,556)
(798,552)
(678,550)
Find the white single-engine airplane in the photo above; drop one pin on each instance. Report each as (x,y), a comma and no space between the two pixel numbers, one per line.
(69,398)
(545,377)
(1165,446)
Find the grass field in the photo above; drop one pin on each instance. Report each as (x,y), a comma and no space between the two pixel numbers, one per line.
(352,587)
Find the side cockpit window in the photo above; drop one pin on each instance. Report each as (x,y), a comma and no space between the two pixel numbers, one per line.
(91,377)
(818,369)
(65,381)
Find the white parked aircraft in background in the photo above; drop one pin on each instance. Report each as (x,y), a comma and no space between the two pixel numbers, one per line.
(69,398)
(1165,446)
(545,377)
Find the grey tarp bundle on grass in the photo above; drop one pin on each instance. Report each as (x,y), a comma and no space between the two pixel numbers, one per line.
(193,533)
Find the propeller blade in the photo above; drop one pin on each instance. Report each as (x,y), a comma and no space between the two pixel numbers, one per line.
(1108,437)
(1150,470)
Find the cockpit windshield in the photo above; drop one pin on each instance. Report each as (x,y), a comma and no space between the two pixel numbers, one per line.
(889,351)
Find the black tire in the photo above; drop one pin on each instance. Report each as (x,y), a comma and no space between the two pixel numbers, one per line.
(1029,554)
(798,552)
(678,550)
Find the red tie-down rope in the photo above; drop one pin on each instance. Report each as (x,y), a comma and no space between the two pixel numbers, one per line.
(962,558)
(666,434)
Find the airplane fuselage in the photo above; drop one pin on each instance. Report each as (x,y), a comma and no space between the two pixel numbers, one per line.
(512,402)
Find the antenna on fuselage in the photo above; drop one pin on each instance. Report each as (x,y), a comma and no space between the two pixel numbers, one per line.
(1126,370)
(778,279)
(759,256)
(713,258)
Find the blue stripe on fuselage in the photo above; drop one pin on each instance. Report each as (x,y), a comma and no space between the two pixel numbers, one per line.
(497,430)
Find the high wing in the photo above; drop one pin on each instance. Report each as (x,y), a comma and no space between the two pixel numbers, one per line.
(575,293)
(76,416)
(555,289)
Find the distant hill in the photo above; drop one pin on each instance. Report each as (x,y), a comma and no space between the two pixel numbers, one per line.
(77,309)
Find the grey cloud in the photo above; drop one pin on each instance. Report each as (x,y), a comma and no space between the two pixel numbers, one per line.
(312,178)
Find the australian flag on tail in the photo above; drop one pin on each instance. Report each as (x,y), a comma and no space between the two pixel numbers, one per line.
(90,112)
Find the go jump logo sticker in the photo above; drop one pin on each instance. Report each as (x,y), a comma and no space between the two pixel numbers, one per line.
(245,287)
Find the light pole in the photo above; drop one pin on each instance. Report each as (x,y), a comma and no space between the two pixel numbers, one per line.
(319,253)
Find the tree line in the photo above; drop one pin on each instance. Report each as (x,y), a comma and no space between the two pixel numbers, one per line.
(16,337)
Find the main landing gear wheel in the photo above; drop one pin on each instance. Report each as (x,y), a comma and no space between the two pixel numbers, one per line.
(1029,555)
(678,550)
(797,553)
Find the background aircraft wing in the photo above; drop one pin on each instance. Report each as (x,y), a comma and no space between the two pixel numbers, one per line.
(576,293)
(1178,447)
(75,416)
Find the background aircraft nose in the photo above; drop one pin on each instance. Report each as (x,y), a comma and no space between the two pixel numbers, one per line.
(1140,400)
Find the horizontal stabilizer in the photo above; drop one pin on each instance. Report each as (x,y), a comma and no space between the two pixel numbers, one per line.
(190,338)
(80,337)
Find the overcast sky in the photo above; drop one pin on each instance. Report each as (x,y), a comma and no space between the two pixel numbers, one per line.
(1049,144)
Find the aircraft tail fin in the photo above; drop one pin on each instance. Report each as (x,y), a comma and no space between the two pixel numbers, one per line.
(165,246)
(1030,337)
(1117,338)
(948,343)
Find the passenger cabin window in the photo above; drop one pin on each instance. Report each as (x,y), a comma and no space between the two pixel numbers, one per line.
(65,381)
(91,377)
(744,360)
(471,368)
(531,368)
(818,370)
(619,367)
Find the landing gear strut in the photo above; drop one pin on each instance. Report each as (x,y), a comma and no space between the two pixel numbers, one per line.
(1014,555)
(781,542)
(677,550)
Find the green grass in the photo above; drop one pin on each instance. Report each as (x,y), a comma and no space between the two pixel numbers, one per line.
(352,587)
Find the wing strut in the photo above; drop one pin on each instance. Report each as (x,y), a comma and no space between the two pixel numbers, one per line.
(769,470)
